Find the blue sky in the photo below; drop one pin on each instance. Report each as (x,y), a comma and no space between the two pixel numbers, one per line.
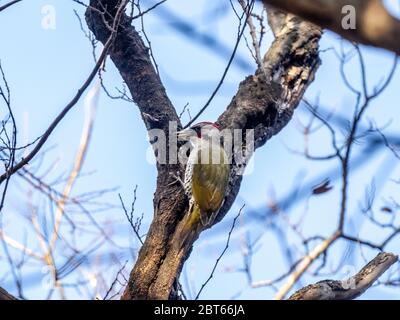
(46,67)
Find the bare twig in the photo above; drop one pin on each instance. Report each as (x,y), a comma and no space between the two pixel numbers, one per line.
(221,255)
(221,81)
(72,103)
(9,4)
(91,106)
(304,264)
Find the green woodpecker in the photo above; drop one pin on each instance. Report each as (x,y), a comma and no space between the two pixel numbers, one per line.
(206,177)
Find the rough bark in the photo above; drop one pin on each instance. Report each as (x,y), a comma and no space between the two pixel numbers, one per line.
(350,288)
(132,59)
(375,26)
(265,102)
(4,295)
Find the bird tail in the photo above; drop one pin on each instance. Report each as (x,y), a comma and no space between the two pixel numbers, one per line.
(189,229)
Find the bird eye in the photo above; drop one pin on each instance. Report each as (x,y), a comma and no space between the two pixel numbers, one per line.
(197,129)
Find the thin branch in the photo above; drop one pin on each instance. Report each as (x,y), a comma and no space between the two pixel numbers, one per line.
(9,4)
(134,225)
(91,106)
(304,264)
(69,106)
(221,255)
(221,81)
(142,13)
(115,281)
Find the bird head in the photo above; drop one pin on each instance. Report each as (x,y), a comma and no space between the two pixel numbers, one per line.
(201,130)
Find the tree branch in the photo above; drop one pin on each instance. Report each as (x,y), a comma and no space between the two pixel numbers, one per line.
(264,102)
(304,265)
(9,4)
(350,288)
(4,295)
(107,44)
(375,26)
(131,57)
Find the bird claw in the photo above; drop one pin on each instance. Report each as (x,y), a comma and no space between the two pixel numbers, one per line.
(207,221)
(177,179)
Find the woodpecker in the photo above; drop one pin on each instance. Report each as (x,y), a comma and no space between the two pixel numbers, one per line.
(206,177)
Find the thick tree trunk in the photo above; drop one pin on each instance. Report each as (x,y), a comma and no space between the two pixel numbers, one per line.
(264,102)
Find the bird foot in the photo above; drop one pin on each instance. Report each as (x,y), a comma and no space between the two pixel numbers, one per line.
(206,220)
(177,179)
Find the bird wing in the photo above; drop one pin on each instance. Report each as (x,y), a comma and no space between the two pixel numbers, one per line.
(210,179)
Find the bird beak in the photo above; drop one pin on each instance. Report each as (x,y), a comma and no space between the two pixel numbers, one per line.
(186,134)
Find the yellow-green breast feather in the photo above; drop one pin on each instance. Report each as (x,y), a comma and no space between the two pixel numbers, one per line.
(210,180)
